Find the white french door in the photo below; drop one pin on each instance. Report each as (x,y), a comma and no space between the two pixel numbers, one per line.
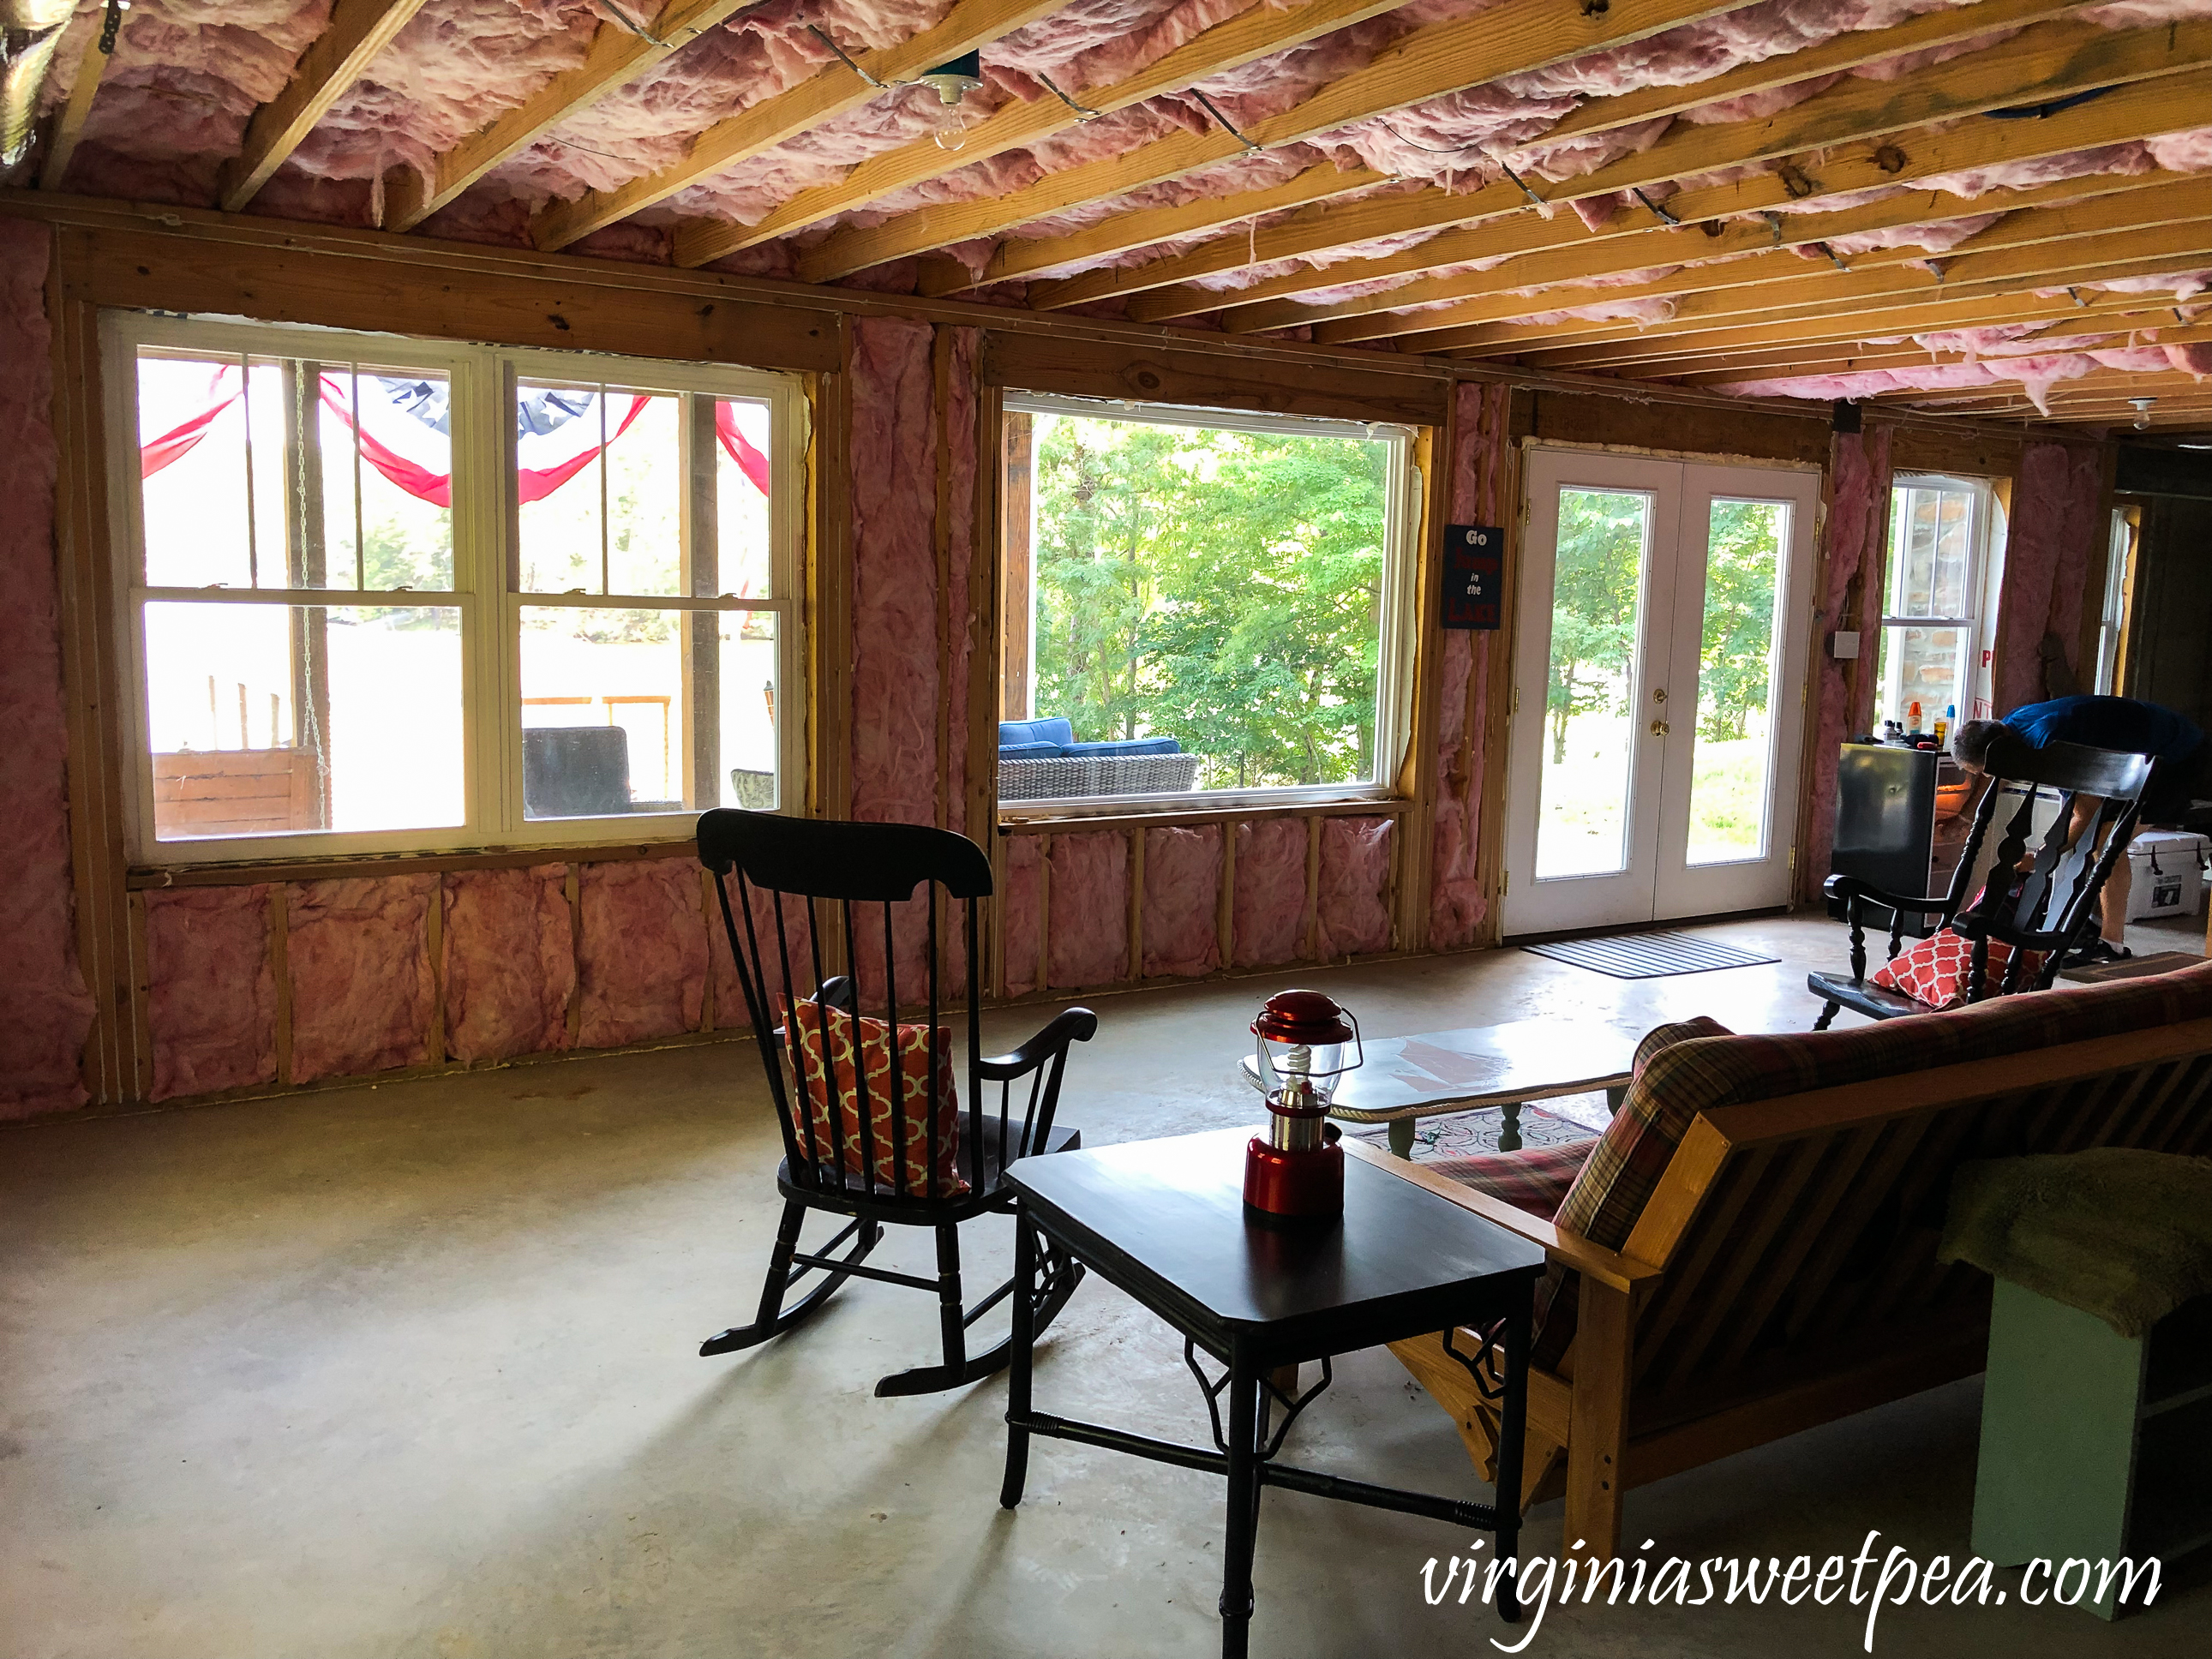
(1659,674)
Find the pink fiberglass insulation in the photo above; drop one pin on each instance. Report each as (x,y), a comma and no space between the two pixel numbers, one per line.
(455,66)
(1183,901)
(1352,901)
(1021,908)
(510,963)
(357,950)
(1268,911)
(1482,479)
(795,948)
(49,1009)
(1858,522)
(2053,535)
(894,508)
(211,996)
(959,418)
(641,962)
(1088,911)
(174,100)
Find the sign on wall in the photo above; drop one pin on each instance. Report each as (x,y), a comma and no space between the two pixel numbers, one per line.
(1474,576)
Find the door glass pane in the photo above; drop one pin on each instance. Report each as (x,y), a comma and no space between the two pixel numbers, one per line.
(1604,541)
(1736,660)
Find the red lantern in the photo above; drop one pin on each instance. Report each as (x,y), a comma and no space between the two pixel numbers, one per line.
(1297,1172)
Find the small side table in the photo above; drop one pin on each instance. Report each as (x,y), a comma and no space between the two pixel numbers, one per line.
(1164,1221)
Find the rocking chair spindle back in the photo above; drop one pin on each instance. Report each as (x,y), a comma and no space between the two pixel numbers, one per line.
(827,1009)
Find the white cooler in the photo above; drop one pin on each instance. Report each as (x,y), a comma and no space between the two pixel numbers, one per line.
(2169,875)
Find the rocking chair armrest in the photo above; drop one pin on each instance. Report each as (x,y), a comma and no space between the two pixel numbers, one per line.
(1850,890)
(1067,1026)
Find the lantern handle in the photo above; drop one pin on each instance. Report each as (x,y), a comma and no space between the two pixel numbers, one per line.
(1358,1047)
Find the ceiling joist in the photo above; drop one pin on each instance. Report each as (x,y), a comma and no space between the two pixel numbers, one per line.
(334,60)
(1844,52)
(1252,34)
(821,97)
(1513,37)
(617,56)
(1852,137)
(69,122)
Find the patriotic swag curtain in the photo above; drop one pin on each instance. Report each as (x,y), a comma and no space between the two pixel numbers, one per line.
(556,433)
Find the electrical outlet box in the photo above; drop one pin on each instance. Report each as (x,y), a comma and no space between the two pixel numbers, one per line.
(1842,645)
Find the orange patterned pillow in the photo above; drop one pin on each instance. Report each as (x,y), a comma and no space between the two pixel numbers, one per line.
(1935,971)
(918,1100)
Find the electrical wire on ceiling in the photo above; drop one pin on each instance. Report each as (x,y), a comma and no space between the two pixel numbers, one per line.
(1227,126)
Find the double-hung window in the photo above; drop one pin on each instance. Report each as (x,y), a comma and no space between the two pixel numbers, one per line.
(1201,606)
(393,595)
(1934,620)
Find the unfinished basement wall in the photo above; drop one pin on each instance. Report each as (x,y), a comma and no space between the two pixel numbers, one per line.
(241,982)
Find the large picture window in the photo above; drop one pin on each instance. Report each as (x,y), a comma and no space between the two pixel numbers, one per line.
(388,595)
(1198,604)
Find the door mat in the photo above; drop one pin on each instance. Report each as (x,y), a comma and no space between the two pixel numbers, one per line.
(1464,1135)
(1648,955)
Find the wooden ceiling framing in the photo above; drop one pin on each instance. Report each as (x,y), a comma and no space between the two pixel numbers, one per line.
(1722,269)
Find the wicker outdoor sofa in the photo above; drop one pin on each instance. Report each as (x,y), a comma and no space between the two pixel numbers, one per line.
(1040,760)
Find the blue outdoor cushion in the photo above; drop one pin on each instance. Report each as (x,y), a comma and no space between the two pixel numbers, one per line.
(1031,751)
(1057,732)
(1128,746)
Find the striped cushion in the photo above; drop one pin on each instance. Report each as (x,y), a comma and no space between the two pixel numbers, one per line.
(1534,1180)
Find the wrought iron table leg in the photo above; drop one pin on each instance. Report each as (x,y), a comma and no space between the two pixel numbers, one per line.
(1244,1527)
(1402,1136)
(1018,1372)
(1512,1436)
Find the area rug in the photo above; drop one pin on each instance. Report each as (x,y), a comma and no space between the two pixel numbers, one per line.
(1648,956)
(1464,1134)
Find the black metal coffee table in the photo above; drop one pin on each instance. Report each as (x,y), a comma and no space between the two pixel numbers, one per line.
(1164,1221)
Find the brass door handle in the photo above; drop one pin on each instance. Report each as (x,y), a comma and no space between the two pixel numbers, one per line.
(1658,728)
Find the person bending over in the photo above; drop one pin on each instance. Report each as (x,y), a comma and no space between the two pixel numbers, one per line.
(2173,741)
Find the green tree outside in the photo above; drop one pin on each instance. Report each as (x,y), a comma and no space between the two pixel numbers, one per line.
(1221,588)
(1594,597)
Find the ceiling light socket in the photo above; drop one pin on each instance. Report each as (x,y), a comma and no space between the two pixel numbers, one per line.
(953,81)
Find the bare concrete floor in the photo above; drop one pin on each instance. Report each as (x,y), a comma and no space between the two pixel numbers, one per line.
(410,1370)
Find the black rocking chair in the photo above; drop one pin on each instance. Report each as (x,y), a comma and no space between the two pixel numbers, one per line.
(820,871)
(2051,909)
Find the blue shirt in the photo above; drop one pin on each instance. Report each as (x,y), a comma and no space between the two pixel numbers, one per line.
(2116,723)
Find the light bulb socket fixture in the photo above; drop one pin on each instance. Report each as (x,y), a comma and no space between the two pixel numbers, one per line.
(954,80)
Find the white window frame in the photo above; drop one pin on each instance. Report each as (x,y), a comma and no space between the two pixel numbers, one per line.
(1976,626)
(1393,674)
(486,573)
(2119,553)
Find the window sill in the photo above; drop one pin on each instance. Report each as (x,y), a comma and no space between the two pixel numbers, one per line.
(243,872)
(1170,811)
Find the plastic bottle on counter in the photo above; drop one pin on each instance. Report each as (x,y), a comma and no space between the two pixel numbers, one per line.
(1912,721)
(1943,726)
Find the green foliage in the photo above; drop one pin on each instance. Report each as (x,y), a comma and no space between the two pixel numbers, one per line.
(1224,588)
(1740,572)
(1601,553)
(1593,611)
